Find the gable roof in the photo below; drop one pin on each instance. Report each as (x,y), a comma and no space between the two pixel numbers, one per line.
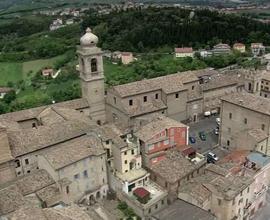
(168,84)
(155,126)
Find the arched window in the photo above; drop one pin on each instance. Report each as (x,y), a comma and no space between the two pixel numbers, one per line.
(94,65)
(249,87)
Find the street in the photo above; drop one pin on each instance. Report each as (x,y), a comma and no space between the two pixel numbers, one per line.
(207,125)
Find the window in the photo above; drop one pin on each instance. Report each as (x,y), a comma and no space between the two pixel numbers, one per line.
(149,211)
(34,125)
(261,147)
(263,127)
(28,171)
(76,176)
(114,100)
(18,164)
(125,161)
(156,206)
(248,190)
(145,98)
(245,120)
(130,102)
(126,171)
(230,115)
(228,143)
(192,87)
(162,201)
(132,151)
(26,161)
(125,152)
(177,95)
(156,95)
(93,65)
(107,142)
(85,174)
(67,189)
(249,87)
(82,63)
(166,185)
(265,95)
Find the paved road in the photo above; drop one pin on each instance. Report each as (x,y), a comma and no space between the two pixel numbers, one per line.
(264,213)
(207,125)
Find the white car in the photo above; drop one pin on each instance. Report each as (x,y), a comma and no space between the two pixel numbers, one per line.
(212,156)
(218,121)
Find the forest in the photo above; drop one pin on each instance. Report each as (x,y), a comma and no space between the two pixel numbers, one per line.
(141,30)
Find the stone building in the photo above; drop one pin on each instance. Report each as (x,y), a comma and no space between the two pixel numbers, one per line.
(221,49)
(183,52)
(159,135)
(245,121)
(239,47)
(177,96)
(265,85)
(218,191)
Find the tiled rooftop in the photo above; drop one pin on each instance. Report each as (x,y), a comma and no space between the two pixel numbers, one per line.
(249,101)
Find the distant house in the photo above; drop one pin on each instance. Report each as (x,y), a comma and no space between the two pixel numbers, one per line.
(47,72)
(239,47)
(4,91)
(257,49)
(184,52)
(116,55)
(58,23)
(220,49)
(69,21)
(127,57)
(205,53)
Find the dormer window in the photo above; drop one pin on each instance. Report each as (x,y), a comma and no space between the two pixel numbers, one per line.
(93,65)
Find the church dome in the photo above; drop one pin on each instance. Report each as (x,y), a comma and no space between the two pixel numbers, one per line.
(89,39)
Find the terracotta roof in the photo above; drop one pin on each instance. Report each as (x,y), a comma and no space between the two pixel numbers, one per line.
(28,140)
(12,193)
(74,150)
(33,112)
(188,151)
(141,192)
(256,45)
(157,125)
(169,84)
(5,89)
(173,167)
(237,45)
(183,50)
(222,46)
(249,101)
(218,81)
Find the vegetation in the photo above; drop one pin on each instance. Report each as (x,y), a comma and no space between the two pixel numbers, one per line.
(27,46)
(127,211)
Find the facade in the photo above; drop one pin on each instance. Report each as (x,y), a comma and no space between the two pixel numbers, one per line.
(220,49)
(265,85)
(239,47)
(257,49)
(127,58)
(183,52)
(159,135)
(241,113)
(84,166)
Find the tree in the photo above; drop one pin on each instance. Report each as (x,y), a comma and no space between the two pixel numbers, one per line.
(9,97)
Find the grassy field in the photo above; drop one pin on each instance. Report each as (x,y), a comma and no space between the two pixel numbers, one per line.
(31,67)
(15,72)
(10,72)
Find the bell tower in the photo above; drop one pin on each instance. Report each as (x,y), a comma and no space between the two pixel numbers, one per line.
(91,75)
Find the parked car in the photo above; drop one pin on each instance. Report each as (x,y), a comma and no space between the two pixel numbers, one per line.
(212,158)
(192,140)
(207,114)
(218,121)
(202,136)
(216,131)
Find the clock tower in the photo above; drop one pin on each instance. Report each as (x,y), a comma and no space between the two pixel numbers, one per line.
(92,75)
